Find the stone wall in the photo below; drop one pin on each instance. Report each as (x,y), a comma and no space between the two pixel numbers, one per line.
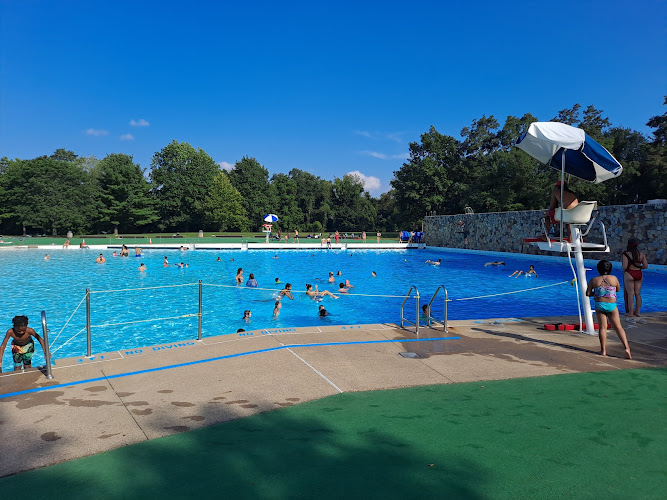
(505,231)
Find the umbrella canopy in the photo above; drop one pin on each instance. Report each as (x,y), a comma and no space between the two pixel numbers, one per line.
(584,158)
(270,218)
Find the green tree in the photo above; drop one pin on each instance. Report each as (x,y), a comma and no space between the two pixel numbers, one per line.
(127,204)
(285,204)
(47,195)
(352,207)
(251,180)
(654,167)
(180,178)
(223,206)
(432,181)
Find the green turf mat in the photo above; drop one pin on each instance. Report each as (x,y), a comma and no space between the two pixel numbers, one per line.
(589,435)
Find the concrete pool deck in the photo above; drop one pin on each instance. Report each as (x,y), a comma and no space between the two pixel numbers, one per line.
(125,397)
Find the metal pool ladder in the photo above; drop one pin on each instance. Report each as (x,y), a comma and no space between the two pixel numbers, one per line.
(430,319)
(403,320)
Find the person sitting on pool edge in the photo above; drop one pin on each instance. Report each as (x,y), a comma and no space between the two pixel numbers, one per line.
(531,272)
(317,295)
(23,346)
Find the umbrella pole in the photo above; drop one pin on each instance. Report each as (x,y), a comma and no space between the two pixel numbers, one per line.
(582,282)
(562,193)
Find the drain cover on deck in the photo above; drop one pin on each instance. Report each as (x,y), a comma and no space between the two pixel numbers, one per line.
(410,355)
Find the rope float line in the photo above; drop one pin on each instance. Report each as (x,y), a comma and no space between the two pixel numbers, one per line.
(258,288)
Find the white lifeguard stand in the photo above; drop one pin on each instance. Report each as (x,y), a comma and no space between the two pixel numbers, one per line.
(266,228)
(573,152)
(581,220)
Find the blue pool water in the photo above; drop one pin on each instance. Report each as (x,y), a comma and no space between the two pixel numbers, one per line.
(132,309)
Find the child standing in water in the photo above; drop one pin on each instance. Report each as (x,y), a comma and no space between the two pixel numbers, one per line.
(604,289)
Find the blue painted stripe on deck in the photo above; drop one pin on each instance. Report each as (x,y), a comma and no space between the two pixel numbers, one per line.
(218,358)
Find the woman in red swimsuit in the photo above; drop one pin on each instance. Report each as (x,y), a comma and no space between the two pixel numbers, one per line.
(633,263)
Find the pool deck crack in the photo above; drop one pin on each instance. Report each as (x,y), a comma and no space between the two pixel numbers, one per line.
(124,405)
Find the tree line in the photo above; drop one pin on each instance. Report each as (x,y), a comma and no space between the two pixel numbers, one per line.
(185,190)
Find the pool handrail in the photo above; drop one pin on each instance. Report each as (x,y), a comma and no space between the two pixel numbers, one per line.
(430,319)
(403,320)
(47,350)
(89,347)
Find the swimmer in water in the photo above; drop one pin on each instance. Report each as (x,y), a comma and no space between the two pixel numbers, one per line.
(165,262)
(494,264)
(342,289)
(374,274)
(322,311)
(317,295)
(142,267)
(348,284)
(285,292)
(433,262)
(239,276)
(531,272)
(331,279)
(246,315)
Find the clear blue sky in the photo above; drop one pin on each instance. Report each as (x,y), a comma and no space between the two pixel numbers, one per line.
(329,87)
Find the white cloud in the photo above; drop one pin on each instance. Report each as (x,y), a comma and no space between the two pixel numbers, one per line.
(370,183)
(381,136)
(383,156)
(96,132)
(226,166)
(375,154)
(127,137)
(139,123)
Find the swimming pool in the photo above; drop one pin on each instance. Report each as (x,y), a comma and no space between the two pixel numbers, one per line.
(133,315)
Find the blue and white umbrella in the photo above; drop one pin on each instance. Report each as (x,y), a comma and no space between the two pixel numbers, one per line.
(271,218)
(571,150)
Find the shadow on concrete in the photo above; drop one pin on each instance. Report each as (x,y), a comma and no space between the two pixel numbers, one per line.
(289,453)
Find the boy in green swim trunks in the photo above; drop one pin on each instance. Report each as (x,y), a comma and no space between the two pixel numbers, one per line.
(23,345)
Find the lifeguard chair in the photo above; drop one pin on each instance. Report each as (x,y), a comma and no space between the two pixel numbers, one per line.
(573,152)
(581,218)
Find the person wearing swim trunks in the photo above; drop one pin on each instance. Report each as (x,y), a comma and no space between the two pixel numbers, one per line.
(633,262)
(285,292)
(604,289)
(23,345)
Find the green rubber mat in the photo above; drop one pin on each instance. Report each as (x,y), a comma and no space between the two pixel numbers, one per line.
(588,435)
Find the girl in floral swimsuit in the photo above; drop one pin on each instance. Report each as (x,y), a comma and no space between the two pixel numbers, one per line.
(604,289)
